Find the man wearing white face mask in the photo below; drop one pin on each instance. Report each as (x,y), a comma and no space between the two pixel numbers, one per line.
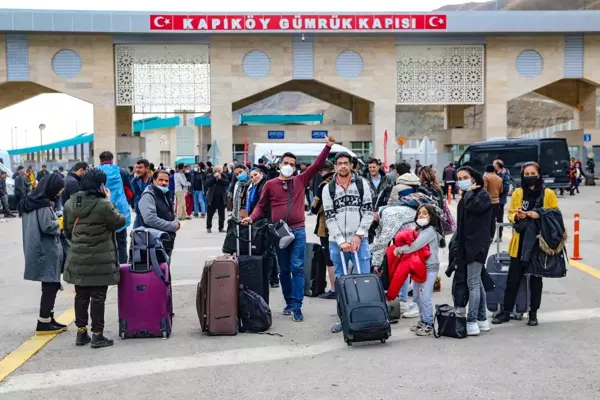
(285,197)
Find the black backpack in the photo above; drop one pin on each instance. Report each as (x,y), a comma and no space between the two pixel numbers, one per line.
(359,186)
(253,311)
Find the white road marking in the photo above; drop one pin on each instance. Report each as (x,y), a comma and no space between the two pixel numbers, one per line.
(185,282)
(196,249)
(113,372)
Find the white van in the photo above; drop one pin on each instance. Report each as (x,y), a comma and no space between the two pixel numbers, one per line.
(305,152)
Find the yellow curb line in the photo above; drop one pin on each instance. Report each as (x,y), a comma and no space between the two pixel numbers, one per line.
(32,346)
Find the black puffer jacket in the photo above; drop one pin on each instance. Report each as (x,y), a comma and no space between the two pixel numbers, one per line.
(474,227)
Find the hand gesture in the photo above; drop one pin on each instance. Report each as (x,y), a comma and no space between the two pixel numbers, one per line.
(521,214)
(397,252)
(246,221)
(178,225)
(473,187)
(355,243)
(533,214)
(376,270)
(330,140)
(346,247)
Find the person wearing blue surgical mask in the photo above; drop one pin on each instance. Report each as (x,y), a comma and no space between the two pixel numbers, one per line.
(156,209)
(469,248)
(240,192)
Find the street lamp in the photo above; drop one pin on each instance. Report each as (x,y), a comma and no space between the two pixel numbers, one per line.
(41,127)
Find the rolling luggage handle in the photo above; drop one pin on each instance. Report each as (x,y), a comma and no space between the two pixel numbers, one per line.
(498,226)
(356,262)
(237,238)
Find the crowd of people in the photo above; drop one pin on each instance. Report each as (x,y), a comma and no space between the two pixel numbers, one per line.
(76,225)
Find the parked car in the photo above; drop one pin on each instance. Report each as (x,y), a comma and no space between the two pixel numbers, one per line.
(551,154)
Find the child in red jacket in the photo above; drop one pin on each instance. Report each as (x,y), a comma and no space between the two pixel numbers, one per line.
(416,253)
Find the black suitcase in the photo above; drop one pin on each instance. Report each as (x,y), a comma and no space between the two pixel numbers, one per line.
(315,270)
(497,266)
(361,306)
(253,270)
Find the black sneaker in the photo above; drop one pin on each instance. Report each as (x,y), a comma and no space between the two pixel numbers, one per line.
(54,322)
(274,285)
(221,230)
(82,337)
(501,318)
(532,321)
(208,230)
(48,328)
(330,295)
(98,341)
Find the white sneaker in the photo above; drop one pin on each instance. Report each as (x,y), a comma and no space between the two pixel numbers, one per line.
(404,306)
(412,312)
(484,326)
(473,329)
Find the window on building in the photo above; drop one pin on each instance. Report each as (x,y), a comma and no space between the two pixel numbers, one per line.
(363,150)
(238,152)
(574,151)
(165,157)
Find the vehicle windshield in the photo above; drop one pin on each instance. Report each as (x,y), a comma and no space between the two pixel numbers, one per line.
(513,158)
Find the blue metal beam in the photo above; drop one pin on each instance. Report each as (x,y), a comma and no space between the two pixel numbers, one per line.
(74,141)
(281,119)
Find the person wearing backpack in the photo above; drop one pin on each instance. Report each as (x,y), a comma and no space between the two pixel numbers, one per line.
(348,208)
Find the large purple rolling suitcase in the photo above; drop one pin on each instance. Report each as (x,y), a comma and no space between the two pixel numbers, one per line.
(145,306)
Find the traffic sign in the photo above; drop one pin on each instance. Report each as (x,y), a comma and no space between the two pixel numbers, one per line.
(587,137)
(319,134)
(275,134)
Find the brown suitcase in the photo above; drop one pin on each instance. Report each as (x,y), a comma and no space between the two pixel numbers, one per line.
(217,296)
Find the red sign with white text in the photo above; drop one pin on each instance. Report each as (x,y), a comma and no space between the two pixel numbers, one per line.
(321,23)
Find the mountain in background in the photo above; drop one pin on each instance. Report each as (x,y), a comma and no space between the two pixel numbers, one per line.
(514,5)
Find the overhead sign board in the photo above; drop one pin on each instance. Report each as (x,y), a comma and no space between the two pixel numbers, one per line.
(319,134)
(275,134)
(587,137)
(299,23)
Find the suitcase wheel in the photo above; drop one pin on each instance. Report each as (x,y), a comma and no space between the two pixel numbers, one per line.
(519,317)
(122,335)
(349,342)
(383,340)
(122,329)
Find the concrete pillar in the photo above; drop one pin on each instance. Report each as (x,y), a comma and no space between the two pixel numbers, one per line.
(384,118)
(496,91)
(587,99)
(222,131)
(105,130)
(2,58)
(360,111)
(124,115)
(454,116)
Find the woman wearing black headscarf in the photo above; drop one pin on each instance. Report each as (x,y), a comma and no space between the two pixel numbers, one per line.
(472,240)
(42,247)
(529,196)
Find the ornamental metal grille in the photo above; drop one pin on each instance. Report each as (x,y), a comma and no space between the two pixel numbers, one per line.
(163,78)
(440,75)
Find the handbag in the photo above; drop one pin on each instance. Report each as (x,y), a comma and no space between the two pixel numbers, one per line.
(548,265)
(281,230)
(450,321)
(448,222)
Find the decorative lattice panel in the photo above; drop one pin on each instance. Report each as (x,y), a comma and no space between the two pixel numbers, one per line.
(66,64)
(17,57)
(440,75)
(163,78)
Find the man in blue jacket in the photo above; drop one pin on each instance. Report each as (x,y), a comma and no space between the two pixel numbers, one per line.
(116,183)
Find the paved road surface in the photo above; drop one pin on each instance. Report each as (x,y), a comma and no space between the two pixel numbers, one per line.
(556,360)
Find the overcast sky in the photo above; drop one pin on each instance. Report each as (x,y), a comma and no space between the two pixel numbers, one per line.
(64,116)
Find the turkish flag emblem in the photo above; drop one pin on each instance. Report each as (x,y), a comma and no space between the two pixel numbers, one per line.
(161,22)
(435,22)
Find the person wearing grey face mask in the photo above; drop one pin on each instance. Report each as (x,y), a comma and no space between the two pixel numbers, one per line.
(285,197)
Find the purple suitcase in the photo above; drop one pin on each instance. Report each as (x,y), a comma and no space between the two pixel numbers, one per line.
(145,304)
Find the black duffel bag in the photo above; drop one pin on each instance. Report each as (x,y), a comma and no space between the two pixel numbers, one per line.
(236,232)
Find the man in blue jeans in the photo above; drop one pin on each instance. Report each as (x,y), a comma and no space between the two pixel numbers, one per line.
(198,190)
(285,197)
(348,208)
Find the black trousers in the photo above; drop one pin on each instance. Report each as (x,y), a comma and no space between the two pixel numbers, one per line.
(92,297)
(451,185)
(122,246)
(498,216)
(516,270)
(49,291)
(216,205)
(325,248)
